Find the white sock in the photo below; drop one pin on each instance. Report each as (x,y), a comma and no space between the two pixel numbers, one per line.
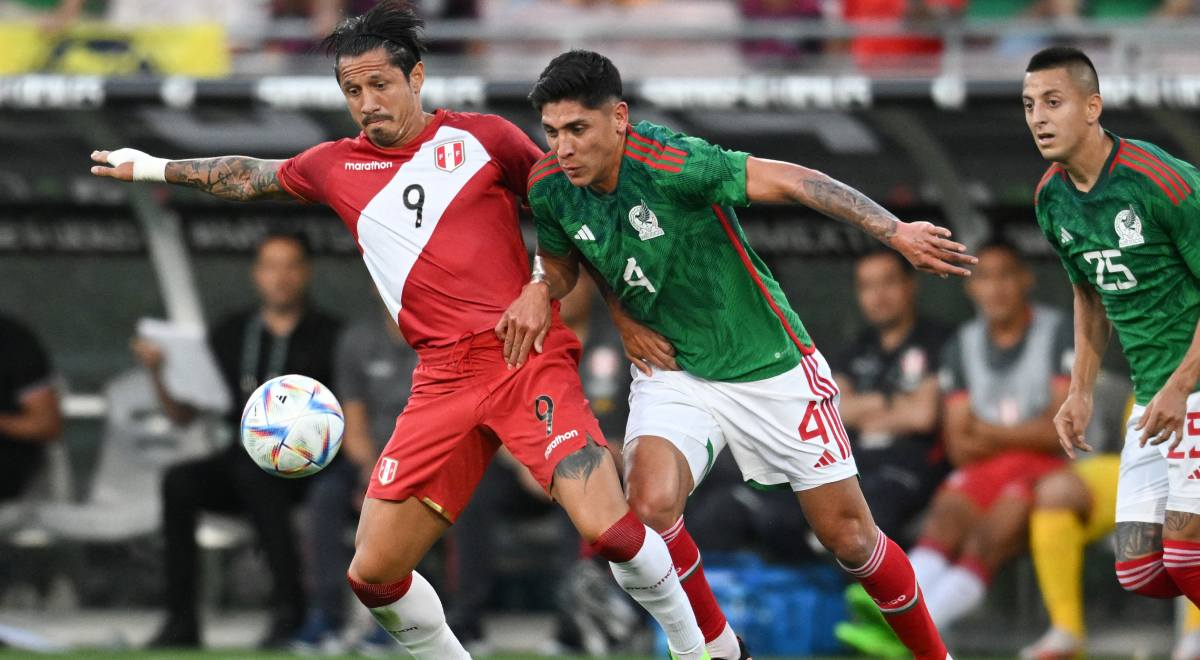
(419,624)
(929,565)
(725,645)
(957,593)
(650,579)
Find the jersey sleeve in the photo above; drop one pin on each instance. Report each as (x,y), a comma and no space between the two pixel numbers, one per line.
(514,153)
(551,238)
(709,174)
(304,175)
(1182,221)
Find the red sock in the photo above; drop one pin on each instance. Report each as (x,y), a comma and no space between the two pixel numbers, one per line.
(686,557)
(1182,559)
(379,595)
(1147,576)
(889,579)
(623,540)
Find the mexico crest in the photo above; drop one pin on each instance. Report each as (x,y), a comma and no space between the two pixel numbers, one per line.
(1129,228)
(645,222)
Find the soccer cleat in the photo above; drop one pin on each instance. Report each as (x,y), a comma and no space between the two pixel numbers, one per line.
(1188,647)
(871,639)
(1055,644)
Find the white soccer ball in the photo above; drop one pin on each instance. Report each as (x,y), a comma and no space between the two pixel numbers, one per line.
(292,426)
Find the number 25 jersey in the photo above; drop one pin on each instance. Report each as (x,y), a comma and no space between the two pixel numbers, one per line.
(435,219)
(1135,239)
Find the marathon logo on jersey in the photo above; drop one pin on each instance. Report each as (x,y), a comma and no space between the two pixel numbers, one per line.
(370,166)
(558,440)
(449,156)
(387,470)
(1129,228)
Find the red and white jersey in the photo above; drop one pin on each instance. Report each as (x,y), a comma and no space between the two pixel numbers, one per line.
(435,219)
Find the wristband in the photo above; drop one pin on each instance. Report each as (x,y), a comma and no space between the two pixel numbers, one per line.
(539,270)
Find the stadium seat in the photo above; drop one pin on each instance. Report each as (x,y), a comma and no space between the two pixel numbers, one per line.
(139,444)
(994,10)
(1122,9)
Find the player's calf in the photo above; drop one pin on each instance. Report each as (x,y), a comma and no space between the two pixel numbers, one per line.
(1139,564)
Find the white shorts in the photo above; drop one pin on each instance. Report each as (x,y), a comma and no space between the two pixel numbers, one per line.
(784,431)
(1154,480)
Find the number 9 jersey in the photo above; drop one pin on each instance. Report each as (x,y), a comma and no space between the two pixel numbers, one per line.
(434,218)
(1134,238)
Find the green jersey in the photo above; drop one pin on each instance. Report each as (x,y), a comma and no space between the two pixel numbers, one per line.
(1134,238)
(668,243)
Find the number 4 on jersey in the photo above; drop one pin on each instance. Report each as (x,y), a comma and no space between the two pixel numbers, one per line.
(1104,263)
(635,277)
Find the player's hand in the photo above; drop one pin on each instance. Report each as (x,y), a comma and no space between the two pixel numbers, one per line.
(928,248)
(1071,421)
(524,325)
(148,353)
(1164,416)
(129,165)
(644,347)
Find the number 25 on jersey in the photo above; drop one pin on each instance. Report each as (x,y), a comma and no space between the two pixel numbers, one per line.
(1120,277)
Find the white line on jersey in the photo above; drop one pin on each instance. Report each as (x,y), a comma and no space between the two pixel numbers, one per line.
(584,234)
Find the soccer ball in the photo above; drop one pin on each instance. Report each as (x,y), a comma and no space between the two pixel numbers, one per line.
(292,426)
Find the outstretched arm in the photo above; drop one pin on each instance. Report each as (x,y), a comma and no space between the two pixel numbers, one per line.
(238,178)
(926,246)
(525,323)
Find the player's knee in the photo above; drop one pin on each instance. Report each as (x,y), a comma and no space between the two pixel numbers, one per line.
(656,504)
(1061,490)
(852,541)
(369,568)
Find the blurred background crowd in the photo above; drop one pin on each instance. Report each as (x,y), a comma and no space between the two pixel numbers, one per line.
(123,490)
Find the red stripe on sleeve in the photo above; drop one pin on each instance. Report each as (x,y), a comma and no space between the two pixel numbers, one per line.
(1170,171)
(543,174)
(659,166)
(630,144)
(1158,169)
(1150,175)
(658,145)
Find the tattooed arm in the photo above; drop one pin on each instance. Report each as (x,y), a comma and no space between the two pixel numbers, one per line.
(238,178)
(925,245)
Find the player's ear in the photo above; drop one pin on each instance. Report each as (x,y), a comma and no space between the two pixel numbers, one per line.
(416,77)
(621,116)
(1095,106)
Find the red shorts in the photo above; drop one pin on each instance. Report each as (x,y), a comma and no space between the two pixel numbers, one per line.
(1010,474)
(466,402)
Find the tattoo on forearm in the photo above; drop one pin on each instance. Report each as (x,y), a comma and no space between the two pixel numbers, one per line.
(1177,520)
(582,463)
(841,202)
(1138,539)
(230,177)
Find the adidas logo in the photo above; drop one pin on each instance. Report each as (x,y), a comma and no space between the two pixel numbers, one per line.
(1064,236)
(1194,475)
(827,459)
(584,234)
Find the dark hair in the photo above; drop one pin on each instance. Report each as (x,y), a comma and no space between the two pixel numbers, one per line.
(1067,57)
(1001,243)
(299,239)
(890,254)
(392,25)
(578,75)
